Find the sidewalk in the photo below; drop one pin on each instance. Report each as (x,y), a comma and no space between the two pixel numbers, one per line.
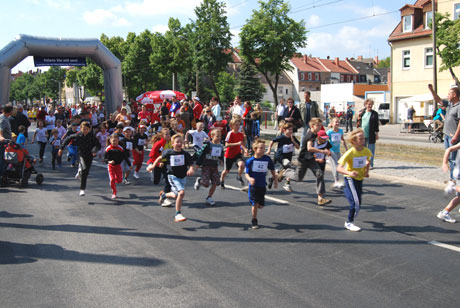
(413,173)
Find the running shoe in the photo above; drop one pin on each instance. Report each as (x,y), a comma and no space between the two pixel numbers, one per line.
(114,196)
(337,185)
(197,183)
(179,218)
(126,182)
(444,215)
(270,183)
(210,202)
(450,188)
(352,227)
(255,223)
(167,203)
(82,192)
(136,175)
(287,187)
(222,185)
(78,175)
(324,201)
(162,198)
(240,179)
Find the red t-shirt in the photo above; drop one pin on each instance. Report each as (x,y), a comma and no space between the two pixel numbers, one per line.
(222,125)
(157,148)
(154,117)
(197,109)
(232,137)
(144,115)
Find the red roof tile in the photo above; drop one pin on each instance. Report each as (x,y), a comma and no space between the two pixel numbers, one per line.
(420,31)
(341,66)
(311,65)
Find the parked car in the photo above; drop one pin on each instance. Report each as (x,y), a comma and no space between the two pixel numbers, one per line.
(384,113)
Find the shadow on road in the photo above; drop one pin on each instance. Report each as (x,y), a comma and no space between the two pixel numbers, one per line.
(408,230)
(5,214)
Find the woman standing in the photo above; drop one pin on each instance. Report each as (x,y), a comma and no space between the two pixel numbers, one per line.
(88,146)
(292,114)
(368,120)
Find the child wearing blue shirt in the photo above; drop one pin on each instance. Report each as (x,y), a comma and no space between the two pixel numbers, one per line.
(336,137)
(21,139)
(256,171)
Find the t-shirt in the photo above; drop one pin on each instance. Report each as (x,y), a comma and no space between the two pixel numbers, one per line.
(438,114)
(102,138)
(50,122)
(177,163)
(232,137)
(257,168)
(198,137)
(321,146)
(335,139)
(210,154)
(354,160)
(304,154)
(410,113)
(285,147)
(365,123)
(5,127)
(41,135)
(55,142)
(140,141)
(21,139)
(451,119)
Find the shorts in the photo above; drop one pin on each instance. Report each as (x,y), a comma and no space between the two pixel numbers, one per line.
(410,121)
(210,174)
(125,167)
(256,195)
(177,184)
(229,161)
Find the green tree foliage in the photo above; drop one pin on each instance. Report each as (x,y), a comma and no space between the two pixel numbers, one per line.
(384,63)
(226,84)
(51,79)
(211,37)
(249,86)
(447,43)
(91,77)
(270,39)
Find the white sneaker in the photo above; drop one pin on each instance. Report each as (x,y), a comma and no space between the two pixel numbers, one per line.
(209,201)
(167,203)
(126,182)
(450,188)
(352,227)
(114,196)
(444,215)
(78,175)
(136,175)
(82,192)
(197,183)
(287,187)
(179,218)
(337,185)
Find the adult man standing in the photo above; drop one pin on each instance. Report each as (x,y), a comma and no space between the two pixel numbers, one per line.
(349,118)
(451,128)
(237,108)
(5,133)
(308,109)
(280,112)
(175,107)
(410,118)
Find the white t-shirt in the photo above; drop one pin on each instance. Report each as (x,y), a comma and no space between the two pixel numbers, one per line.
(50,122)
(41,135)
(239,110)
(198,137)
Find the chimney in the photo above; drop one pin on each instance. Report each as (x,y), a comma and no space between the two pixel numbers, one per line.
(376,60)
(305,58)
(328,57)
(336,61)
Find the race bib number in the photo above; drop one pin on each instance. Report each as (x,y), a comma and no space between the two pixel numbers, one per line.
(177,160)
(216,151)
(359,162)
(57,142)
(129,145)
(320,155)
(260,166)
(336,137)
(141,141)
(288,148)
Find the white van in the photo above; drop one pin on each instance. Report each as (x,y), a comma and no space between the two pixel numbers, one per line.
(384,113)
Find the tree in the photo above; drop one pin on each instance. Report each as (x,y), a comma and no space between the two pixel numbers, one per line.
(211,39)
(91,77)
(270,38)
(53,81)
(447,43)
(226,87)
(384,63)
(249,86)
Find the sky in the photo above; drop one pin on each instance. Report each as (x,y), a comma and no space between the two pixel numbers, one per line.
(336,28)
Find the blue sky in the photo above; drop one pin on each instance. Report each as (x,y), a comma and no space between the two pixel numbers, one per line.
(337,28)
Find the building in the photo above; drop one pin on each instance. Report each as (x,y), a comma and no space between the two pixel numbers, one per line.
(412,59)
(367,68)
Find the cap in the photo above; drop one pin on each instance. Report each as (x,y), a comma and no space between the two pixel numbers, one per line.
(142,126)
(128,128)
(196,98)
(13,135)
(120,125)
(322,134)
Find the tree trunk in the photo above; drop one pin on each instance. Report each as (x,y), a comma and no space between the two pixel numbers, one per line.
(273,87)
(454,76)
(214,87)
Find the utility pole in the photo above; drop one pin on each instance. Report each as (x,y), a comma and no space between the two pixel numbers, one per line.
(433,27)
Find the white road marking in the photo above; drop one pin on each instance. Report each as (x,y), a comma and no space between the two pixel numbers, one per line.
(266,197)
(447,246)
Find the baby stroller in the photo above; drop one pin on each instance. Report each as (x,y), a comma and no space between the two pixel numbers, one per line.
(436,135)
(20,166)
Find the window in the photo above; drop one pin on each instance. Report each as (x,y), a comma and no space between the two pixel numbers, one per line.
(309,76)
(287,91)
(302,76)
(407,23)
(428,19)
(406,59)
(456,11)
(348,78)
(428,57)
(341,78)
(316,76)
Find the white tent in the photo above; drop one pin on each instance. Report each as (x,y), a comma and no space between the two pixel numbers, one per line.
(418,98)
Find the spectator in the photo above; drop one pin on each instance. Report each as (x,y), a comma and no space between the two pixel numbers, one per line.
(292,115)
(349,118)
(5,133)
(280,112)
(410,118)
(368,120)
(308,109)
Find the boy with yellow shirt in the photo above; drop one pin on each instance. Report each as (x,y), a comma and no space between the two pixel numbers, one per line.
(354,165)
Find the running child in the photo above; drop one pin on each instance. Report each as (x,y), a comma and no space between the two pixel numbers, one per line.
(287,142)
(234,142)
(307,159)
(322,143)
(55,143)
(72,149)
(140,140)
(41,135)
(114,155)
(179,165)
(61,129)
(256,171)
(128,144)
(102,136)
(354,165)
(336,137)
(199,136)
(209,157)
(451,187)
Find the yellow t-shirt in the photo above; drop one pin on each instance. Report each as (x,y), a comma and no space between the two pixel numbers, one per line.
(354,160)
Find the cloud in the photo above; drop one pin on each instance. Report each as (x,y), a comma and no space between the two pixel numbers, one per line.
(153,7)
(160,28)
(57,4)
(313,21)
(100,17)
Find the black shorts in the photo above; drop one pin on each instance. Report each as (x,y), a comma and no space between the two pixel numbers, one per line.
(256,195)
(229,161)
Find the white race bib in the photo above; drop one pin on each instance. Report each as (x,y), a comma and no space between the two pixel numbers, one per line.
(359,162)
(216,151)
(336,137)
(129,145)
(288,148)
(260,166)
(57,142)
(177,160)
(141,141)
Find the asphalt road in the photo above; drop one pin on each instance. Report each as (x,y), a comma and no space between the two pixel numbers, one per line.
(58,249)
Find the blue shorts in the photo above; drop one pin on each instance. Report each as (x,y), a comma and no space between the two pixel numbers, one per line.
(177,184)
(256,194)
